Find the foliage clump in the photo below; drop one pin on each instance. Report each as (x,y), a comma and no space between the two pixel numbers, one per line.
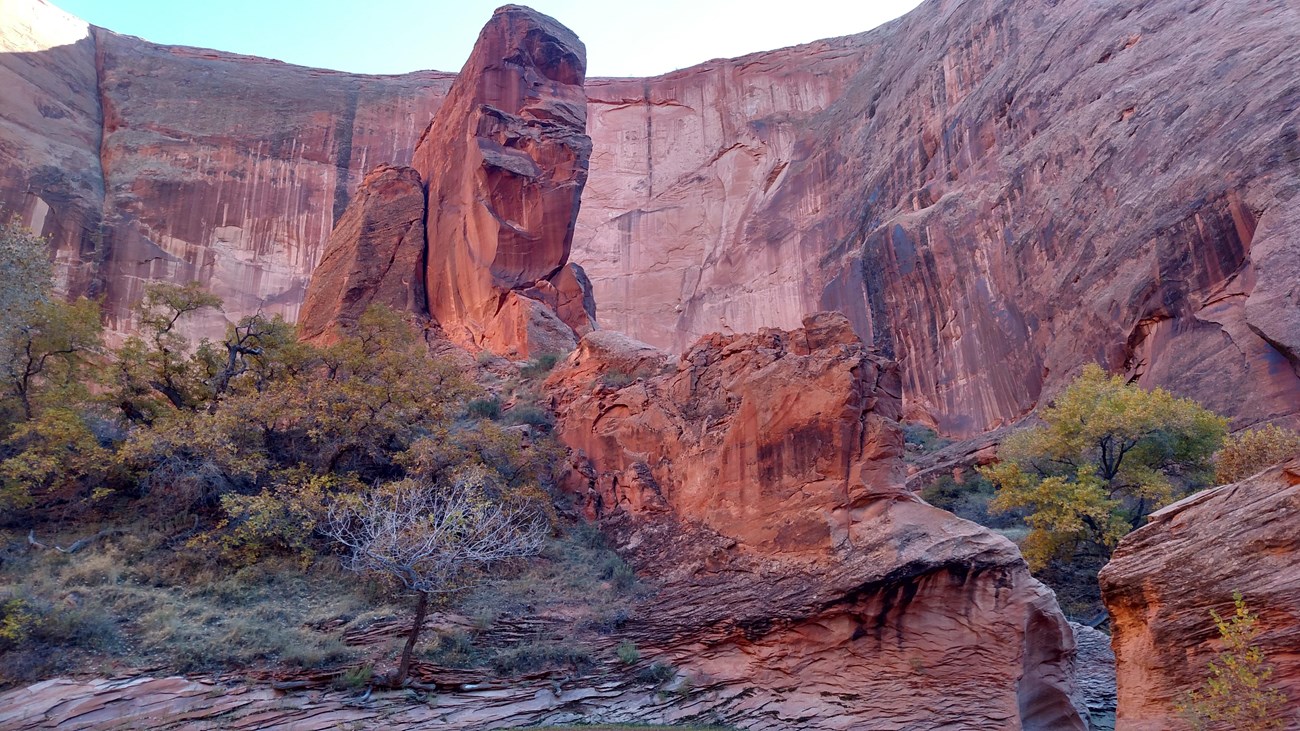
(1107,454)
(1253,451)
(1237,693)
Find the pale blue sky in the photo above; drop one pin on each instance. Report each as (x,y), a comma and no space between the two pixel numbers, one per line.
(394,36)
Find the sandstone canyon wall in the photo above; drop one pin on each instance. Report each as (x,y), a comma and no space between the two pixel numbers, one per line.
(146,162)
(995,192)
(1187,560)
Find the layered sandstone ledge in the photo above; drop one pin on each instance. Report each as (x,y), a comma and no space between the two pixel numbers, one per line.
(759,480)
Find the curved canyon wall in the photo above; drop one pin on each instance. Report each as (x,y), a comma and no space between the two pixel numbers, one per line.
(993,192)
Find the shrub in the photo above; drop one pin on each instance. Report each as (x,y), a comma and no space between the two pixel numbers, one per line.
(485,408)
(1236,693)
(531,415)
(1253,451)
(657,672)
(615,378)
(17,620)
(921,439)
(354,678)
(969,499)
(617,571)
(540,366)
(628,653)
(1107,455)
(539,656)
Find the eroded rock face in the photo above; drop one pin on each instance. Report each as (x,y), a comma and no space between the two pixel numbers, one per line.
(760,480)
(50,125)
(995,192)
(1165,577)
(505,160)
(375,256)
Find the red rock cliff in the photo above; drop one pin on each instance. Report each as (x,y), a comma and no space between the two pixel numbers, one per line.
(993,191)
(505,160)
(758,480)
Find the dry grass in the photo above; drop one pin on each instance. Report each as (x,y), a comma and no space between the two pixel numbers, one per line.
(131,602)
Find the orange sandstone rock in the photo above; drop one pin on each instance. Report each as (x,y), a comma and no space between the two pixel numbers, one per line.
(505,160)
(759,480)
(375,256)
(1188,559)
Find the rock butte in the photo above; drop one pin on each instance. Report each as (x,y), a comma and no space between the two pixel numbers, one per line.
(994,192)
(1166,577)
(375,256)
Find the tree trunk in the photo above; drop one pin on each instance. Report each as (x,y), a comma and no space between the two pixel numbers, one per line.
(421,610)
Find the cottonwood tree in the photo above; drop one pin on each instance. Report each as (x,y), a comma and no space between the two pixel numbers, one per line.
(1107,455)
(434,538)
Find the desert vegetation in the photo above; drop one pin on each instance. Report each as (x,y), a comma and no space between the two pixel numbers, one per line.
(1238,692)
(1102,457)
(197,506)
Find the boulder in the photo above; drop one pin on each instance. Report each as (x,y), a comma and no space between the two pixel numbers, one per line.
(1189,559)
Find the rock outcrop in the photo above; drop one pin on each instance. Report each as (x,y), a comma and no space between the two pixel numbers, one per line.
(995,192)
(375,256)
(1187,560)
(505,160)
(759,480)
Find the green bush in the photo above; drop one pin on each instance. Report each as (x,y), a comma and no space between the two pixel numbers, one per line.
(354,678)
(1239,692)
(485,408)
(1254,450)
(628,653)
(920,439)
(970,499)
(531,415)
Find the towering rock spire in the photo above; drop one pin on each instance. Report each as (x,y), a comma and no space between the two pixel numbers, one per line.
(505,160)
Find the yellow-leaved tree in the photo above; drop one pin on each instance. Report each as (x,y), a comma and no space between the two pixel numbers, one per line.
(1253,450)
(1107,454)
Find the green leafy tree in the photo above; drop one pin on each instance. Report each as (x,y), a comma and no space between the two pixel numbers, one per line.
(157,368)
(50,354)
(1107,454)
(1254,450)
(1237,694)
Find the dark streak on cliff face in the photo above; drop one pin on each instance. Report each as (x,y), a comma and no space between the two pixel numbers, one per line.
(343,151)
